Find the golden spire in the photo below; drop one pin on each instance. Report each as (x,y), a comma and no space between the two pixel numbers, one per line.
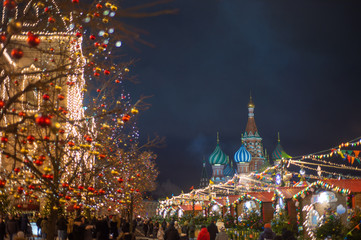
(217,137)
(250,104)
(279,140)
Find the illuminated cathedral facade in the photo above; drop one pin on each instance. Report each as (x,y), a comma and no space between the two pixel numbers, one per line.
(249,157)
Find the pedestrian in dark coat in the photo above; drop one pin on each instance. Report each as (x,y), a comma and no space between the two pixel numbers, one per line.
(24,223)
(145,228)
(191,231)
(203,234)
(287,235)
(267,234)
(102,229)
(150,229)
(2,229)
(12,227)
(79,228)
(164,225)
(38,224)
(171,233)
(213,230)
(114,227)
(127,235)
(61,225)
(184,231)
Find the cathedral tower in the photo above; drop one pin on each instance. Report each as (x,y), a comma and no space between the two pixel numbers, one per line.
(252,140)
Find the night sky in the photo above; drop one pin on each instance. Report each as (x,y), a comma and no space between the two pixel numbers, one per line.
(300,59)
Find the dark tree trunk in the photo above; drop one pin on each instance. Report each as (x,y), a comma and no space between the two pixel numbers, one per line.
(53,217)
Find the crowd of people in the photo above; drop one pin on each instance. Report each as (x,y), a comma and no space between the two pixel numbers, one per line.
(214,231)
(114,227)
(67,228)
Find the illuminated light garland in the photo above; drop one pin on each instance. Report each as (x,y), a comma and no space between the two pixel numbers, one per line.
(312,188)
(315,169)
(324,165)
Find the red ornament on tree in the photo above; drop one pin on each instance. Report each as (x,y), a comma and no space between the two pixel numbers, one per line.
(17,53)
(106,72)
(92,37)
(61,97)
(51,20)
(126,118)
(43,121)
(75,1)
(33,40)
(2,104)
(46,97)
(2,38)
(10,4)
(4,139)
(30,138)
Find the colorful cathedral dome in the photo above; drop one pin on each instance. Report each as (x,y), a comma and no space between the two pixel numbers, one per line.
(242,155)
(279,153)
(228,171)
(218,156)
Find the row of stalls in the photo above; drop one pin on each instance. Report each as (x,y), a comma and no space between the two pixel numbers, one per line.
(306,206)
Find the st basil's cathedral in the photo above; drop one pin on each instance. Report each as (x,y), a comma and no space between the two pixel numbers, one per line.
(248,158)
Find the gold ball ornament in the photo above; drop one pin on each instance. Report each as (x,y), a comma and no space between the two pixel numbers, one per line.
(134,111)
(40,5)
(14,26)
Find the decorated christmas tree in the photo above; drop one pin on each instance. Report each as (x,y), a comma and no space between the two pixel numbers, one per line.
(280,221)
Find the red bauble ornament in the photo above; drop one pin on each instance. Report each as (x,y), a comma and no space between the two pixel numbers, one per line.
(2,104)
(4,139)
(61,97)
(51,20)
(17,53)
(43,121)
(17,170)
(78,34)
(30,138)
(106,72)
(33,40)
(38,162)
(46,97)
(89,139)
(20,189)
(99,90)
(92,37)
(126,118)
(99,6)
(10,4)
(3,38)
(120,180)
(75,1)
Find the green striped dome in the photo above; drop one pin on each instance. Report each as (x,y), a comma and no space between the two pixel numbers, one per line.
(279,153)
(218,157)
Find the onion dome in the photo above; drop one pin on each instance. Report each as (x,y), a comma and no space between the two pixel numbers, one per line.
(279,153)
(242,155)
(228,171)
(218,156)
